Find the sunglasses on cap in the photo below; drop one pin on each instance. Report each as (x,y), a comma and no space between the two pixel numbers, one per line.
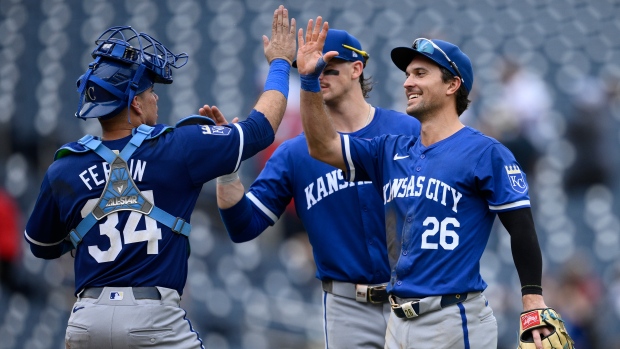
(428,46)
(363,53)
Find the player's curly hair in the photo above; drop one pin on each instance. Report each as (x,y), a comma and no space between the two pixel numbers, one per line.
(367,85)
(462,102)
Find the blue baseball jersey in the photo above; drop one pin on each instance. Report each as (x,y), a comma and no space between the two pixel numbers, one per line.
(127,248)
(344,220)
(440,203)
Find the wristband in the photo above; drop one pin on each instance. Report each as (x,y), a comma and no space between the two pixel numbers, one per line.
(310,82)
(277,79)
(225,179)
(531,289)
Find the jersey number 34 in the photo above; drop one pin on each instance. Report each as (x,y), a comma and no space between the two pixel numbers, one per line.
(151,234)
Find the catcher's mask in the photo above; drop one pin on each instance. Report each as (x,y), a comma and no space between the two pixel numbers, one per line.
(126,64)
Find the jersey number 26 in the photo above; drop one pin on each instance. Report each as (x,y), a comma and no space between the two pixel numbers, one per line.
(448,239)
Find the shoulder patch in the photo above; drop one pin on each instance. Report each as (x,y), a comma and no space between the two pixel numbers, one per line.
(515,176)
(215,130)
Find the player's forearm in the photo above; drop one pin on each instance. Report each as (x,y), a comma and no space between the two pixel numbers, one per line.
(525,248)
(321,136)
(230,193)
(272,103)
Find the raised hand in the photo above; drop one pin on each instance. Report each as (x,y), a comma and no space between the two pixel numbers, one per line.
(310,50)
(215,114)
(282,43)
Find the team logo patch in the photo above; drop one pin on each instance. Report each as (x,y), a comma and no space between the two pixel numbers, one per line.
(215,130)
(515,176)
(116,296)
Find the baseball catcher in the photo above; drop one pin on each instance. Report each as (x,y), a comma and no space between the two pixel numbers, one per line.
(123,200)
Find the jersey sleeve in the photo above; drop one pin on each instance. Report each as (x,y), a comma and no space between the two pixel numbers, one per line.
(211,151)
(44,231)
(265,201)
(501,180)
(272,191)
(363,158)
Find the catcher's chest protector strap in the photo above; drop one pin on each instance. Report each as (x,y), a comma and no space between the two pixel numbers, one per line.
(120,192)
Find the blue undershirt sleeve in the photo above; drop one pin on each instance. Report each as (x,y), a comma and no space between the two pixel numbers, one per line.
(243,221)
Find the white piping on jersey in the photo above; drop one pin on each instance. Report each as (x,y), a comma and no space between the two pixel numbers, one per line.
(510,205)
(41,243)
(240,146)
(262,207)
(347,151)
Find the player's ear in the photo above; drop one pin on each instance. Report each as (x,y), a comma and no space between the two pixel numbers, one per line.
(135,105)
(453,86)
(358,69)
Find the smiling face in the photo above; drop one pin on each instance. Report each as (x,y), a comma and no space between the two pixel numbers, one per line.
(338,79)
(424,87)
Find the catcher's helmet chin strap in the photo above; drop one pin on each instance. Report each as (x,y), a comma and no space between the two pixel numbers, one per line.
(120,192)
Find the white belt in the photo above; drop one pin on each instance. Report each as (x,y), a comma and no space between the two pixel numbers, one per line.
(362,293)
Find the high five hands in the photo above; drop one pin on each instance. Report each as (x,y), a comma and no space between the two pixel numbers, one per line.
(282,43)
(310,57)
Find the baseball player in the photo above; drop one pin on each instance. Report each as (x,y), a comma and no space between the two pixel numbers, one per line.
(441,192)
(344,220)
(124,201)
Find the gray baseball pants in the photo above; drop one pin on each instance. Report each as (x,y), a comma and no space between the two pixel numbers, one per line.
(117,319)
(349,324)
(467,325)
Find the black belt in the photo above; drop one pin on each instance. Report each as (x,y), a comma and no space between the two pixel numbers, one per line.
(410,308)
(361,293)
(138,292)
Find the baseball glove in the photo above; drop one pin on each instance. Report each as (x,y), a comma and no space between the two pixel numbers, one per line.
(535,318)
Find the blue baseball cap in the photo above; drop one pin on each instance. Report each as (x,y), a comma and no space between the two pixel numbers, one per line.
(443,53)
(348,47)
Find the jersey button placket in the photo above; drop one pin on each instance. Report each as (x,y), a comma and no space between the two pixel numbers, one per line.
(419,168)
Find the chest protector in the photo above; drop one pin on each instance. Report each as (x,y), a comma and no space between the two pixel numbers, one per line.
(120,192)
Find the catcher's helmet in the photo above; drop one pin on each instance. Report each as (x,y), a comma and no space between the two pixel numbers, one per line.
(126,64)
